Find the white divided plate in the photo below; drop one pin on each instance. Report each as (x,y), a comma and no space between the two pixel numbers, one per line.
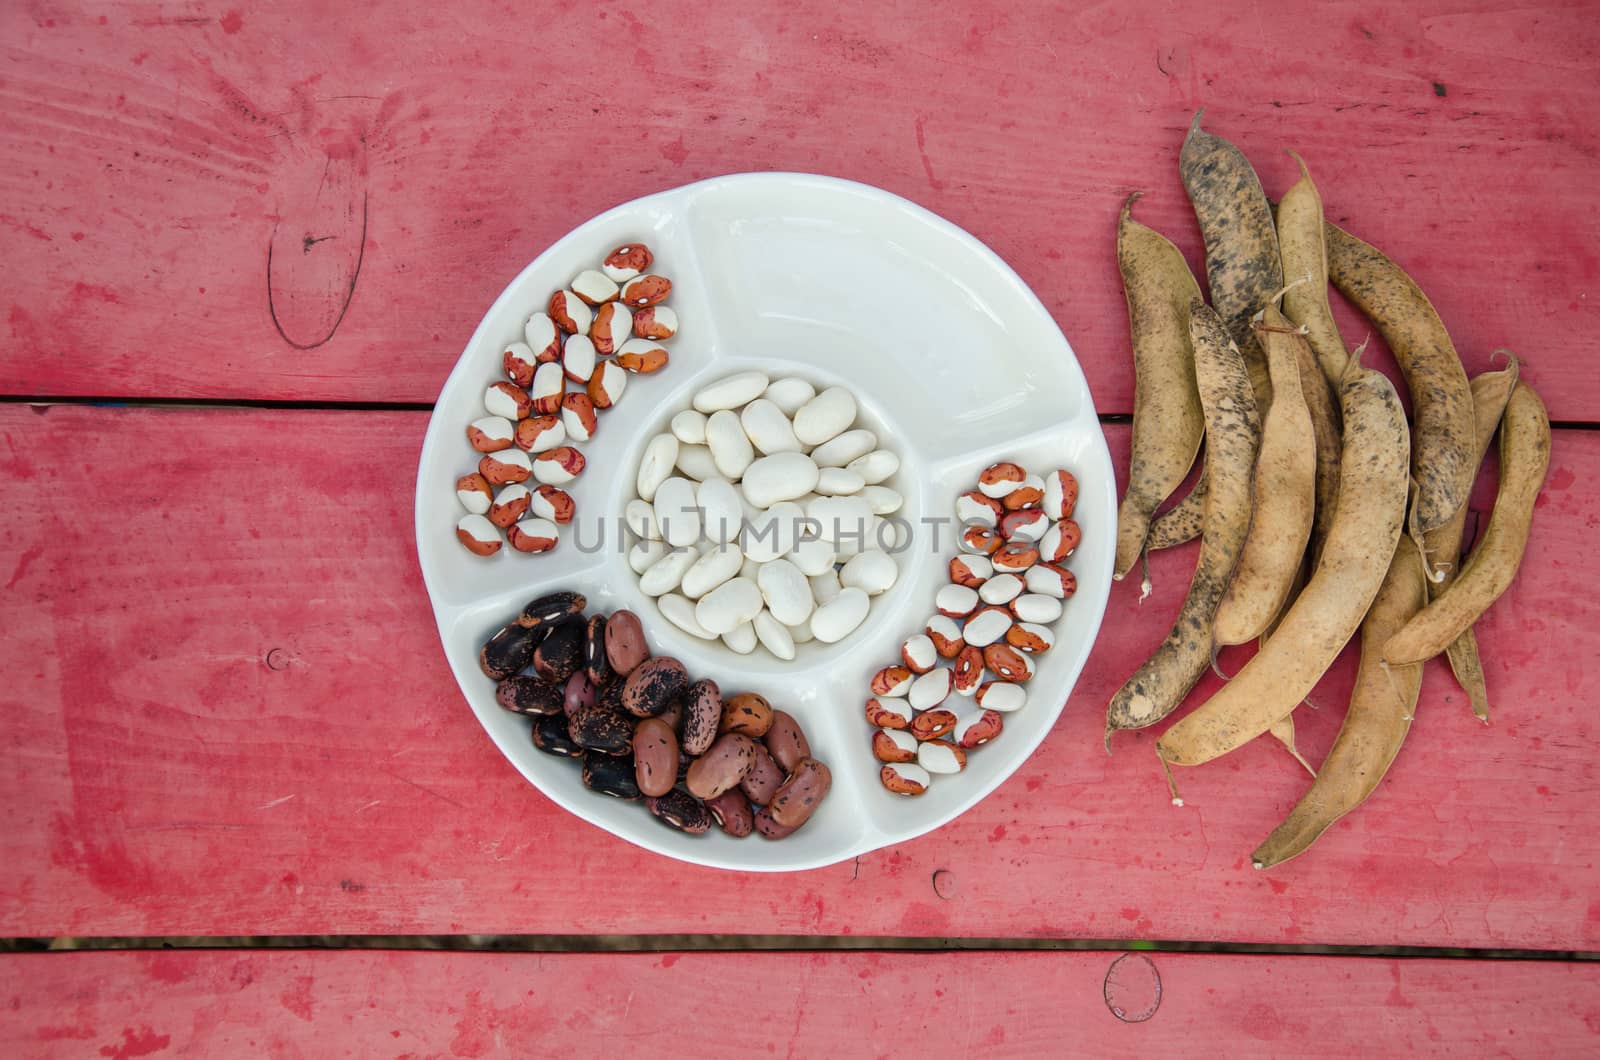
(954,362)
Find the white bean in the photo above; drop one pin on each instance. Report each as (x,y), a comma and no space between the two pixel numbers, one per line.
(780,477)
(1002,696)
(696,462)
(679,610)
(640,517)
(936,756)
(881,499)
(729,447)
(646,554)
(872,572)
(813,556)
(741,638)
(768,429)
(825,587)
(689,427)
(715,566)
(773,533)
(931,689)
(839,617)
(842,519)
(721,512)
(728,605)
(839,482)
(825,416)
(677,512)
(839,451)
(786,591)
(986,627)
(801,634)
(665,574)
(656,465)
(876,466)
(774,636)
(790,394)
(730,392)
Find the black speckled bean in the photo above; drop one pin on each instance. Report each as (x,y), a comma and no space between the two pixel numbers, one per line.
(550,736)
(602,728)
(702,712)
(683,812)
(595,661)
(560,655)
(801,794)
(721,767)
(508,651)
(653,686)
(551,609)
(731,810)
(524,694)
(610,775)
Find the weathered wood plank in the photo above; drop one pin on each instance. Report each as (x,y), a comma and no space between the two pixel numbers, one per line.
(153,160)
(227,712)
(293,1004)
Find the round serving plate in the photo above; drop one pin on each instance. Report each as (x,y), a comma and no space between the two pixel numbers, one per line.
(955,363)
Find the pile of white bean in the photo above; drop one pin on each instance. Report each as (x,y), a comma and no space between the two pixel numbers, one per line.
(762,516)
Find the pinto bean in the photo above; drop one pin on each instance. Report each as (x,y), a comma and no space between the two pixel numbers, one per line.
(721,767)
(801,794)
(787,741)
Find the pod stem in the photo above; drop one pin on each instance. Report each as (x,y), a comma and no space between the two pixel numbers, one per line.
(1146,587)
(1172,785)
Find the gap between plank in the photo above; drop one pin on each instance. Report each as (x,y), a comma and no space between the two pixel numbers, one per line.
(754,944)
(113,401)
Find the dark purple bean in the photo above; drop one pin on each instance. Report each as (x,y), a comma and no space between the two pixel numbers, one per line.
(680,811)
(653,685)
(786,741)
(625,644)
(560,655)
(547,610)
(610,775)
(702,712)
(764,778)
(801,794)
(732,812)
(524,694)
(508,651)
(550,736)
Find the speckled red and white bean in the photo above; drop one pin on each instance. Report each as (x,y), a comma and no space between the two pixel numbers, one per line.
(967,668)
(607,324)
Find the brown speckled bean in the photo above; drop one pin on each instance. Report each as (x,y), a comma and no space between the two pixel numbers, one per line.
(767,828)
(932,724)
(721,767)
(655,756)
(653,685)
(731,810)
(625,643)
(786,741)
(888,714)
(764,778)
(746,713)
(801,794)
(702,712)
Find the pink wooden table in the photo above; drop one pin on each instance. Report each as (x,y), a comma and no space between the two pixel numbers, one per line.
(243,246)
